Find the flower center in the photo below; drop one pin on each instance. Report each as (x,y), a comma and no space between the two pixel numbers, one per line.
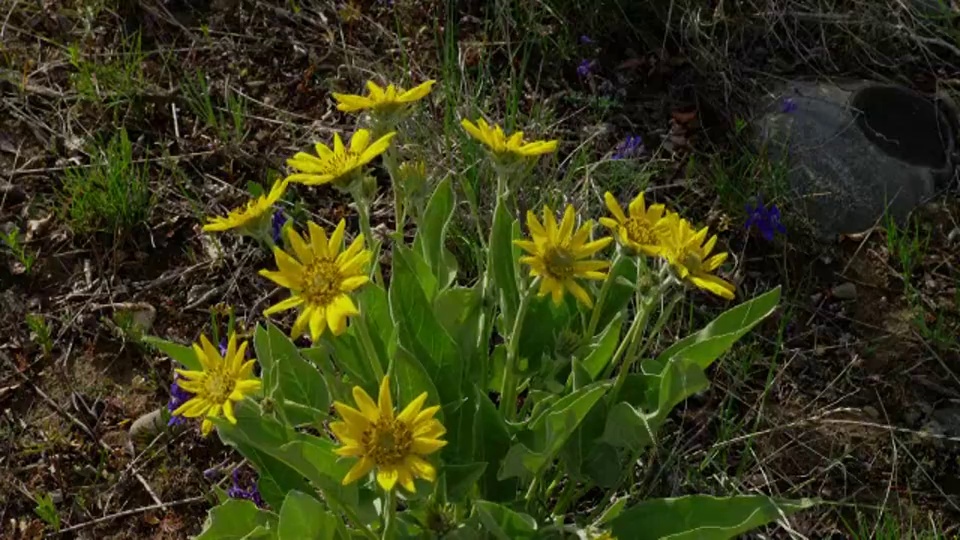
(640,231)
(218,386)
(692,260)
(387,442)
(342,163)
(322,281)
(559,262)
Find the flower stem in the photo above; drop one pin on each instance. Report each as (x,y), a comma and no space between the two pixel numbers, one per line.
(363,332)
(389,515)
(508,392)
(602,298)
(363,210)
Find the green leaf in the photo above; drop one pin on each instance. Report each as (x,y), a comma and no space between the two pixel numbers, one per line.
(432,230)
(257,437)
(551,430)
(503,523)
(298,380)
(702,517)
(268,364)
(302,517)
(375,310)
(603,348)
(315,459)
(459,310)
(425,278)
(349,357)
(624,276)
(493,440)
(236,519)
(542,327)
(717,337)
(181,353)
(460,479)
(419,330)
(412,380)
(628,426)
(503,263)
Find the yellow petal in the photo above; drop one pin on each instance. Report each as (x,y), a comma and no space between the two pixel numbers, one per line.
(385,400)
(336,239)
(387,477)
(283,305)
(228,412)
(284,280)
(378,147)
(367,406)
(351,416)
(206,427)
(579,293)
(317,324)
(426,446)
(406,479)
(300,247)
(421,467)
(614,207)
(569,219)
(417,92)
(318,240)
(637,206)
(359,141)
(412,409)
(717,286)
(359,470)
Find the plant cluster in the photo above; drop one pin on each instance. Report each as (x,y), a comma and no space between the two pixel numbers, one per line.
(513,406)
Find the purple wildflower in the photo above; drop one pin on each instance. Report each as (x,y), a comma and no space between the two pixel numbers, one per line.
(788,105)
(586,67)
(628,148)
(251,494)
(766,218)
(178,396)
(279,220)
(585,40)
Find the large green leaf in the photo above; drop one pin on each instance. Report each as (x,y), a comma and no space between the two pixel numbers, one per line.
(717,337)
(702,517)
(432,230)
(624,275)
(459,310)
(348,355)
(629,426)
(603,347)
(419,269)
(236,519)
(257,436)
(412,379)
(297,380)
(549,431)
(315,459)
(303,517)
(503,523)
(419,330)
(461,479)
(503,263)
(543,327)
(375,310)
(181,353)
(492,442)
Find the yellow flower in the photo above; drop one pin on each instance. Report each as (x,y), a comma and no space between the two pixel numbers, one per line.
(338,164)
(557,254)
(223,381)
(320,278)
(246,216)
(688,255)
(497,141)
(638,231)
(382,100)
(394,444)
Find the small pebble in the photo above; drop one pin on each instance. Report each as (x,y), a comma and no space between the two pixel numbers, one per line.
(844,291)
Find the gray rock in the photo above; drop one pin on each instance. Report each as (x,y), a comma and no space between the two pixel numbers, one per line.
(858,150)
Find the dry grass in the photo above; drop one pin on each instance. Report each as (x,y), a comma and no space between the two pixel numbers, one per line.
(835,399)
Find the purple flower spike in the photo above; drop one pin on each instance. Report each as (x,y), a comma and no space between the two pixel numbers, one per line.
(252,493)
(630,147)
(178,396)
(585,68)
(788,105)
(279,220)
(766,219)
(223,346)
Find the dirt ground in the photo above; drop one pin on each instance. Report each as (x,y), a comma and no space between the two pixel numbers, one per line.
(851,394)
